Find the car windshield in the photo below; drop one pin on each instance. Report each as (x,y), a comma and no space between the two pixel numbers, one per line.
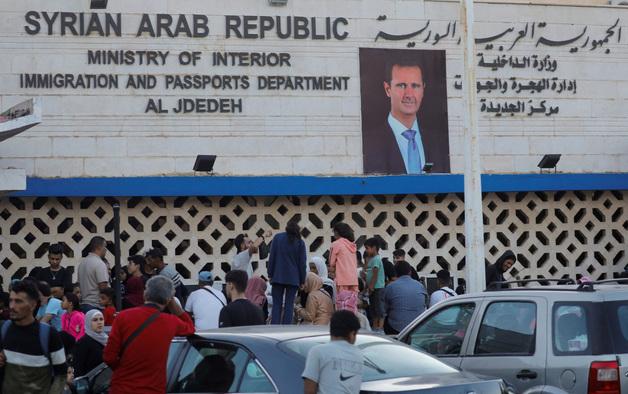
(383,358)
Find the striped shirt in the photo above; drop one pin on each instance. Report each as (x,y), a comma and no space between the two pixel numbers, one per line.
(169,272)
(27,367)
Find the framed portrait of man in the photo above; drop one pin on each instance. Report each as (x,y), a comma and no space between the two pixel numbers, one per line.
(404,111)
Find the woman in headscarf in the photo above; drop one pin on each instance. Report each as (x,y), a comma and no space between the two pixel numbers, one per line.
(319,306)
(318,266)
(256,293)
(88,349)
(495,272)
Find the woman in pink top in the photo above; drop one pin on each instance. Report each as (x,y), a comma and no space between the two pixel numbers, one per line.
(73,320)
(343,264)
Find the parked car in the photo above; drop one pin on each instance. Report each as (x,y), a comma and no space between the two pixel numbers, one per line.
(270,359)
(545,339)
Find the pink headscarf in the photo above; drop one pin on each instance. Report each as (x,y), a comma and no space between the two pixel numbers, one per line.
(255,291)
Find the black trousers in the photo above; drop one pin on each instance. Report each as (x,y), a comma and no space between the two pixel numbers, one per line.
(388,330)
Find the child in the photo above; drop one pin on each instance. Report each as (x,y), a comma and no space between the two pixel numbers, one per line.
(76,290)
(343,265)
(73,320)
(106,301)
(375,282)
(134,294)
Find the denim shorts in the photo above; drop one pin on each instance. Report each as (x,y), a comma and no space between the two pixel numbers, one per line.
(376,303)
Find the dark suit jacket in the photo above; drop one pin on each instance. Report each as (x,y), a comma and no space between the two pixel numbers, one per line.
(381,153)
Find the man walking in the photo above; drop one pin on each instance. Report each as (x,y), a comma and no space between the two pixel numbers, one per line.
(93,274)
(240,311)
(404,300)
(137,349)
(442,278)
(205,303)
(32,353)
(336,367)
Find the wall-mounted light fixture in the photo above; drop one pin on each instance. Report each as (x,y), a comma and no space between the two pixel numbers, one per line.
(548,162)
(98,4)
(204,163)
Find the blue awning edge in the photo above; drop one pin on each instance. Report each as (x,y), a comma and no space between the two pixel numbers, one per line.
(175,186)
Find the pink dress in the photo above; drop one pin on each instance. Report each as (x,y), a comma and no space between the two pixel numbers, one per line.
(74,324)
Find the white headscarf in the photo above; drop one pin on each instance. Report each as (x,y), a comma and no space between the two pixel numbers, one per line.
(321,267)
(98,337)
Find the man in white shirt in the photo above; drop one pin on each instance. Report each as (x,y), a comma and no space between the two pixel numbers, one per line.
(246,248)
(205,303)
(443,278)
(336,367)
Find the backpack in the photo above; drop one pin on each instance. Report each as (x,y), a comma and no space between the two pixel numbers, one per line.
(44,338)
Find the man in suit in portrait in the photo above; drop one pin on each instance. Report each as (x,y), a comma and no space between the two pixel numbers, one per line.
(403,143)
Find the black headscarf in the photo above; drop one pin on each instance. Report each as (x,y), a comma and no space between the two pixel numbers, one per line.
(495,272)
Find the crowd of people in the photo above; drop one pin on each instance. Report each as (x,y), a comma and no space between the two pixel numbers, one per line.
(56,331)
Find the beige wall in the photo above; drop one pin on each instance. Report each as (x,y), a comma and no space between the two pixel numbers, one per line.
(89,133)
(551,2)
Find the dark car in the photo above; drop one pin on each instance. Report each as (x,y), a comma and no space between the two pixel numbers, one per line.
(270,359)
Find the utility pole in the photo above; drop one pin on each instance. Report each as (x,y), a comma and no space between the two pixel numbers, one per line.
(117,266)
(473,222)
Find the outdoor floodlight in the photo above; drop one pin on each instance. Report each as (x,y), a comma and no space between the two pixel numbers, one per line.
(548,162)
(204,163)
(98,4)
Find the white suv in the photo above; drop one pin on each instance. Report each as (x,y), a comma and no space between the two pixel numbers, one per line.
(546,339)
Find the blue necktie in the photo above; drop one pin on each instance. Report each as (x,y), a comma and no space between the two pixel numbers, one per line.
(414,157)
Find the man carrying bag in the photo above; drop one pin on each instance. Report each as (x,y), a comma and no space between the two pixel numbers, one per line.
(138,355)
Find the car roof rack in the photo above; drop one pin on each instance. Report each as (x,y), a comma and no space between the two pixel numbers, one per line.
(495,286)
(590,286)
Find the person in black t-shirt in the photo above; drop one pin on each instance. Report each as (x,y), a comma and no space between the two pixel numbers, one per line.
(59,278)
(389,270)
(240,311)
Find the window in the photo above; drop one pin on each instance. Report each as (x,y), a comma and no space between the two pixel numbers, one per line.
(615,313)
(211,367)
(570,333)
(175,348)
(508,328)
(622,317)
(255,380)
(443,332)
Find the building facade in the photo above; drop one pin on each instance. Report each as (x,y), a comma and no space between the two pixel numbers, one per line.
(285,97)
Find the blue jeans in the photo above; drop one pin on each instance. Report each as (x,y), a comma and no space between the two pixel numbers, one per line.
(281,304)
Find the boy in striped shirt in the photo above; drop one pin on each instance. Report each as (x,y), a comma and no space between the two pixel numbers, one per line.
(30,368)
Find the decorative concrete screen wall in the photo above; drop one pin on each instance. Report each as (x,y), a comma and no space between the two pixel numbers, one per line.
(554,234)
(551,79)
